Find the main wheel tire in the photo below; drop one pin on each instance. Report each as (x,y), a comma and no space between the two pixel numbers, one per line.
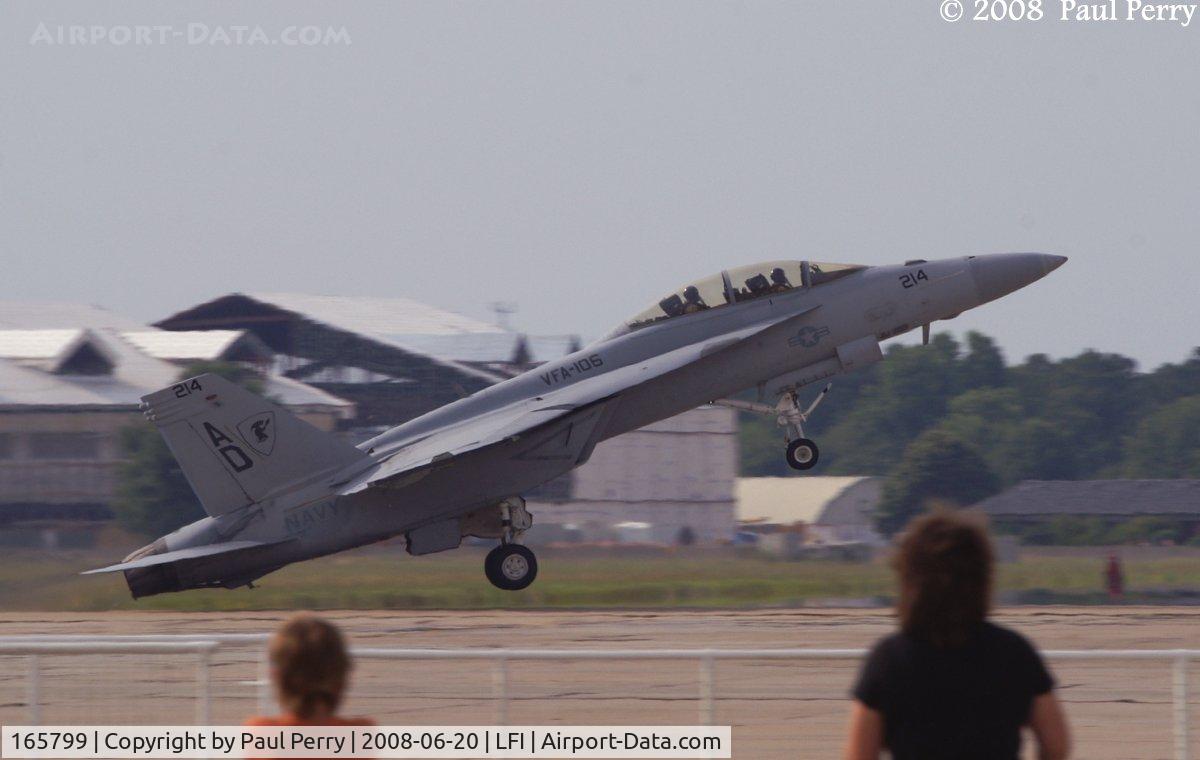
(510,567)
(802,454)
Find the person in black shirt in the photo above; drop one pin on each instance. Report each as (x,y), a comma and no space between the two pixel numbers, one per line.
(950,685)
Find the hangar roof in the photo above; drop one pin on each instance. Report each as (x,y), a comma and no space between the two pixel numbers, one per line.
(36,344)
(192,345)
(197,345)
(452,340)
(421,328)
(788,501)
(1036,498)
(54,350)
(37,367)
(26,387)
(499,346)
(378,316)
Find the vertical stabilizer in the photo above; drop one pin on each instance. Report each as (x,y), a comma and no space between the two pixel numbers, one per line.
(237,448)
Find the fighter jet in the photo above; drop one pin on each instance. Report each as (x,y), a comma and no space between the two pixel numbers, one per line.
(278,491)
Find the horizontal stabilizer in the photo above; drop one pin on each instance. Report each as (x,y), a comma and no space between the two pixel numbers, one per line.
(193,552)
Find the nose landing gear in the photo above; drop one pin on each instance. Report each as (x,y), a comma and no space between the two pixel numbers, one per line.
(801,452)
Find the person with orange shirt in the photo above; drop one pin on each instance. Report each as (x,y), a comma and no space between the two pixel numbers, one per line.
(310,670)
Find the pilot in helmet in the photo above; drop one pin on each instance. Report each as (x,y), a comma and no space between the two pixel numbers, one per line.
(692,300)
(779,280)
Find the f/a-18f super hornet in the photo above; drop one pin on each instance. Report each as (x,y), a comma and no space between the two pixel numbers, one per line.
(278,491)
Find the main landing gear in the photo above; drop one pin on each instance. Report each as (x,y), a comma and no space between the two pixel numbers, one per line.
(511,566)
(801,453)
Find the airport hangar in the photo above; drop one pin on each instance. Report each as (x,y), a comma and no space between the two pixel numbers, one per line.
(71,377)
(788,516)
(1040,501)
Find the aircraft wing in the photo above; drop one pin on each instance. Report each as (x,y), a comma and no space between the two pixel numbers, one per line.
(524,417)
(193,552)
(508,423)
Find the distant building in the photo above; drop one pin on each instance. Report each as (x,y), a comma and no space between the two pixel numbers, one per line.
(396,359)
(71,378)
(1039,500)
(812,510)
(675,476)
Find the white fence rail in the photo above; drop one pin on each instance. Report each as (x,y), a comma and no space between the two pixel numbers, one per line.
(203,647)
(36,650)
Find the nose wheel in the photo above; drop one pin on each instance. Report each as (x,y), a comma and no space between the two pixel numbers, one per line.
(802,454)
(510,567)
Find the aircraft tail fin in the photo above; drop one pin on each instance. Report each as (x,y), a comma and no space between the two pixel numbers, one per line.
(237,448)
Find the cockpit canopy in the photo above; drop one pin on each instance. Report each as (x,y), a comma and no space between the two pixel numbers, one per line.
(736,286)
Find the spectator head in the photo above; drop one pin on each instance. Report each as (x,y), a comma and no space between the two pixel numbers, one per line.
(309,666)
(944,564)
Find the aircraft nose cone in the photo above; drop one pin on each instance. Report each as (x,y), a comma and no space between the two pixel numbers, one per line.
(999,274)
(1052,262)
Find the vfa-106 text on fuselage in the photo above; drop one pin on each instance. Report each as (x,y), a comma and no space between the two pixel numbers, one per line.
(278,491)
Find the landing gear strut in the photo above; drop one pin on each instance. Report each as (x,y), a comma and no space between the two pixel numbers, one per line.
(801,452)
(511,566)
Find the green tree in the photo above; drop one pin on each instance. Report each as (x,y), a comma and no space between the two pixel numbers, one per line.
(1173,381)
(908,393)
(983,365)
(938,467)
(761,441)
(1014,446)
(153,496)
(1167,443)
(1061,530)
(1088,398)
(1149,529)
(1035,449)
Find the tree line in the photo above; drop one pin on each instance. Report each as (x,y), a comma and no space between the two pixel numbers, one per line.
(954,421)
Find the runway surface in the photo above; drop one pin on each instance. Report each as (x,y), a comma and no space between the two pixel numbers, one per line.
(1119,710)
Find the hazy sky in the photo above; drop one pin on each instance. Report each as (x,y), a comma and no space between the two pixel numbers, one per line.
(580,159)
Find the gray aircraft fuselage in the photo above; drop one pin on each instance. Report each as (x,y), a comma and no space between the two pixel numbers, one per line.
(862,308)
